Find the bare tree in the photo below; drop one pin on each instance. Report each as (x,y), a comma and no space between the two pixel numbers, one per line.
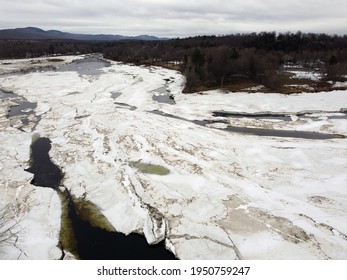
(8,225)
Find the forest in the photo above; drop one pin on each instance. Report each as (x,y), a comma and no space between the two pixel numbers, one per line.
(209,62)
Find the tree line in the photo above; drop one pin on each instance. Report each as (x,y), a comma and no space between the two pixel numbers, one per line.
(212,61)
(13,49)
(221,61)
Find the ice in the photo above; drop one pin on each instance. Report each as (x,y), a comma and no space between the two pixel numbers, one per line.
(227,196)
(314,76)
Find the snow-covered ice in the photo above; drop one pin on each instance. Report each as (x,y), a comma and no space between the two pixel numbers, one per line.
(312,75)
(227,196)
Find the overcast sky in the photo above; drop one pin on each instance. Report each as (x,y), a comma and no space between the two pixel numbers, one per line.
(176,18)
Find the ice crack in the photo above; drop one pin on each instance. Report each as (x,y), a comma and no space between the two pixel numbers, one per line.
(156,225)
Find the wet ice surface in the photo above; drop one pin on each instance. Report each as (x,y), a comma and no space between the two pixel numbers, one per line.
(22,108)
(20,112)
(227,195)
(162,95)
(86,66)
(115,95)
(7,95)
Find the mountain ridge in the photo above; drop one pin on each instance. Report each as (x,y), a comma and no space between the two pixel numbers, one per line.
(35,33)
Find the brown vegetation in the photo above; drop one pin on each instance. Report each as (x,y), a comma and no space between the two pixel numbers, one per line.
(230,62)
(8,226)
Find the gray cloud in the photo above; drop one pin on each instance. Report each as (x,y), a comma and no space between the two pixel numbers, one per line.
(176,18)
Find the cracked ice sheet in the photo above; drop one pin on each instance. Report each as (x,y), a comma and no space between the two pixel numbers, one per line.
(36,210)
(227,195)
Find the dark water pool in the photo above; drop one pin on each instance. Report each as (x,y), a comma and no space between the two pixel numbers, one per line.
(95,243)
(46,173)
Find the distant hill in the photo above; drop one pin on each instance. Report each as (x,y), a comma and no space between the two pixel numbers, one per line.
(34,33)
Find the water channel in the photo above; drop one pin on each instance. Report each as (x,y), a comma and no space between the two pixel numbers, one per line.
(257,131)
